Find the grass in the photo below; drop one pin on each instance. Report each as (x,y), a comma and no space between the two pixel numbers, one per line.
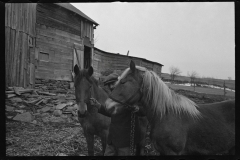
(202,90)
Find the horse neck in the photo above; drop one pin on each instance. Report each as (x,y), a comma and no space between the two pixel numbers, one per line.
(150,114)
(99,94)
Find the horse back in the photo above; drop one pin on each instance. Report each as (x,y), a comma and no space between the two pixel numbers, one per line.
(224,111)
(214,131)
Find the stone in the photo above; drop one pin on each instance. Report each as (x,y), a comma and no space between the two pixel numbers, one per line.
(57,113)
(36,114)
(69,103)
(45,119)
(24,117)
(45,115)
(70,109)
(20,111)
(16,99)
(9,117)
(45,109)
(61,154)
(34,122)
(74,113)
(64,116)
(22,106)
(9,109)
(61,106)
(56,119)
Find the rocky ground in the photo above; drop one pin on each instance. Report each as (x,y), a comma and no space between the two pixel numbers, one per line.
(43,121)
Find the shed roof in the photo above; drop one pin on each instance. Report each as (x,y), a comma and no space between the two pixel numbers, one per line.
(70,7)
(117,54)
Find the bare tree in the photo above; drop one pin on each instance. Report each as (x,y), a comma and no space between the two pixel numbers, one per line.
(174,71)
(192,75)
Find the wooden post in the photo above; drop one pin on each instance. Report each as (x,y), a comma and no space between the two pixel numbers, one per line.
(194,84)
(224,89)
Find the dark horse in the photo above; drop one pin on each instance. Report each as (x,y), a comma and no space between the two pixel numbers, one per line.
(94,123)
(178,125)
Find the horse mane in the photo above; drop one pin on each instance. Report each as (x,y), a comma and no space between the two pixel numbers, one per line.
(161,98)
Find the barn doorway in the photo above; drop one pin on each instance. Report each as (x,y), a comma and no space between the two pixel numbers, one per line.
(87,57)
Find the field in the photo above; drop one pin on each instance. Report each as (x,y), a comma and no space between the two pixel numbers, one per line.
(217,82)
(202,90)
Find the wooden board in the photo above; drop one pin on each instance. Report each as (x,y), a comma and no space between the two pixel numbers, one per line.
(7,54)
(32,74)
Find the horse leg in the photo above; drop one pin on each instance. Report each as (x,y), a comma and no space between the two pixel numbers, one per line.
(104,144)
(104,141)
(90,143)
(138,150)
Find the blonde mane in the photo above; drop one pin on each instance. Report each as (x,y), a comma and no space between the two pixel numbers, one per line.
(162,99)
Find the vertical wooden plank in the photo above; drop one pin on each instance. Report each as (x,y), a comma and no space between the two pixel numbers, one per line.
(12,49)
(34,12)
(36,58)
(20,17)
(23,54)
(32,75)
(7,54)
(14,70)
(17,16)
(27,18)
(15,8)
(82,29)
(9,14)
(19,55)
(6,14)
(24,17)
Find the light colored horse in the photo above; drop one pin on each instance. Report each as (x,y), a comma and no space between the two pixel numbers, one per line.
(178,125)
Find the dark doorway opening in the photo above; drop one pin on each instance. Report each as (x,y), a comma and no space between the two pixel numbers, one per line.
(87,57)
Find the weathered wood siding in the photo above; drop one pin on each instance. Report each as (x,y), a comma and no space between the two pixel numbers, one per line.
(20,20)
(103,61)
(58,32)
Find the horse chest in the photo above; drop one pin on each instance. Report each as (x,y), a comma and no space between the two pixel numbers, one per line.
(95,123)
(169,136)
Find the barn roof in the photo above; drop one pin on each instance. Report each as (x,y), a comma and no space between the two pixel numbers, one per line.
(70,7)
(117,54)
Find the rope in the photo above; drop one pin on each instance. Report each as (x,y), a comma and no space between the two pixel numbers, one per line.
(132,146)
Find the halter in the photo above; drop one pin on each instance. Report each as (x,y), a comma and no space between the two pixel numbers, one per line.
(126,102)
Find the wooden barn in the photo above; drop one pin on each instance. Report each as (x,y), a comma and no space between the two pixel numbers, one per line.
(46,40)
(106,61)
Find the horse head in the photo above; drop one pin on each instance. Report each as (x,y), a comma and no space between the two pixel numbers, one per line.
(83,88)
(127,90)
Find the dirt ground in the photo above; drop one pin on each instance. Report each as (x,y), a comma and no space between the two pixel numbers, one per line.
(60,136)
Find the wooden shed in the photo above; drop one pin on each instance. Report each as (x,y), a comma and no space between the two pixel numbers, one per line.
(103,61)
(45,40)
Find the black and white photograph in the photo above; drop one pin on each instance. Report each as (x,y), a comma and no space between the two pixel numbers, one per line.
(120,79)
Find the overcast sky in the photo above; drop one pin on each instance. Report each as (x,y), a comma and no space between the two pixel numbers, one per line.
(198,36)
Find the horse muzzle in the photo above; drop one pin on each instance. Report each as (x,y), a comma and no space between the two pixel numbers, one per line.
(80,115)
(82,109)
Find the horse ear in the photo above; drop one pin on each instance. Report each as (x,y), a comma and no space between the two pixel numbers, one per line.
(132,66)
(76,69)
(90,71)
